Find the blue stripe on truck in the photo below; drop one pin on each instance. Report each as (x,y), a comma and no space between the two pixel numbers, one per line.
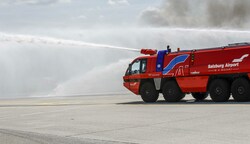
(175,61)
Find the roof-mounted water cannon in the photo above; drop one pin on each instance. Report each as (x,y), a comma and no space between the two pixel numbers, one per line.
(148,51)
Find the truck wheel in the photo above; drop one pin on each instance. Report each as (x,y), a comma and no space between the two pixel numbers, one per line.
(199,96)
(148,93)
(219,90)
(241,90)
(172,92)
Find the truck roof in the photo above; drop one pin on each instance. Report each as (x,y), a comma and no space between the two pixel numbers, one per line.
(233,45)
(228,46)
(146,56)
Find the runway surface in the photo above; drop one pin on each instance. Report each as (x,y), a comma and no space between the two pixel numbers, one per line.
(122,119)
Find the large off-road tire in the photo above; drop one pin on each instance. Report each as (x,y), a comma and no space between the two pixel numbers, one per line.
(199,96)
(148,93)
(241,90)
(172,92)
(219,90)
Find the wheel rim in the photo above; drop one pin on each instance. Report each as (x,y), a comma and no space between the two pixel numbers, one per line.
(241,90)
(218,90)
(170,91)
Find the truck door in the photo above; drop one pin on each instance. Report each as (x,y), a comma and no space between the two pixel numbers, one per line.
(133,75)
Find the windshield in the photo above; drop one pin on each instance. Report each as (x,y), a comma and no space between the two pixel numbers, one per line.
(135,68)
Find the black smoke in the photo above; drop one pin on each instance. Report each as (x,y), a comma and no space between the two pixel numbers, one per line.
(197,13)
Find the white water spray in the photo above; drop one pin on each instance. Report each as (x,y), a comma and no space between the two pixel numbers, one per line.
(32,65)
(99,81)
(50,40)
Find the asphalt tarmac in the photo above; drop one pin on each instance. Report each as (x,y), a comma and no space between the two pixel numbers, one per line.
(122,119)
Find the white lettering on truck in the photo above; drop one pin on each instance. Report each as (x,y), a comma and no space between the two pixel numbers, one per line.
(210,66)
(235,63)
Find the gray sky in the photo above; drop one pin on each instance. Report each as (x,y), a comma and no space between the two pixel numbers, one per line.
(84,14)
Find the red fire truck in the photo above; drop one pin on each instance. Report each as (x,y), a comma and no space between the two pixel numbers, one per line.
(218,72)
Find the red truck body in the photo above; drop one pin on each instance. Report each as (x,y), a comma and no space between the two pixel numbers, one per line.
(191,71)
